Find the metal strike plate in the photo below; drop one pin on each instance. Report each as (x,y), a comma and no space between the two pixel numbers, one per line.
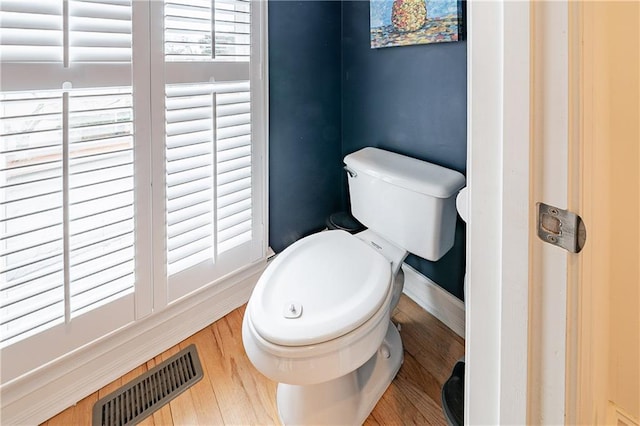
(561,228)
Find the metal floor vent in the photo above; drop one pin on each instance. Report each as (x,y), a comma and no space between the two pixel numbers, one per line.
(147,393)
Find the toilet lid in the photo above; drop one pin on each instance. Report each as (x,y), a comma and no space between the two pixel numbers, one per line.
(318,289)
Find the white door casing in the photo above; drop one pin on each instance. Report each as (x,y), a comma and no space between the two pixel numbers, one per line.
(498,226)
(517,155)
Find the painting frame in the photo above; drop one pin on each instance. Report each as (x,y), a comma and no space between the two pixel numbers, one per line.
(409,22)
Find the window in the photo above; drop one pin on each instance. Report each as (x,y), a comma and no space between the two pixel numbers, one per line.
(130,148)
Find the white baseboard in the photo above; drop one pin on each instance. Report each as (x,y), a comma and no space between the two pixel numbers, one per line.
(43,393)
(434,299)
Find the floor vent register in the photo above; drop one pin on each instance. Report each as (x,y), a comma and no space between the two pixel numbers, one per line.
(150,391)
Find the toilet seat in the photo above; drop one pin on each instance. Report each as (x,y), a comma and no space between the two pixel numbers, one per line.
(322,361)
(320,288)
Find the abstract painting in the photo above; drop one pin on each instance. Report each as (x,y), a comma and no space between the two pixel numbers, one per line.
(405,22)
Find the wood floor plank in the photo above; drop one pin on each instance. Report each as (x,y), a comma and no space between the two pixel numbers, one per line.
(233,392)
(371,420)
(83,410)
(432,343)
(110,388)
(234,379)
(421,389)
(430,324)
(147,421)
(64,418)
(202,394)
(395,409)
(261,390)
(418,379)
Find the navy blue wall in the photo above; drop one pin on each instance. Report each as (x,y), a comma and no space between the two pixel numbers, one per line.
(410,100)
(331,94)
(305,157)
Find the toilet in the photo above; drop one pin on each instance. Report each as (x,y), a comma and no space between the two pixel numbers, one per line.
(319,319)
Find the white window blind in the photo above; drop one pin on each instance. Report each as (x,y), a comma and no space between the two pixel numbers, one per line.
(72,31)
(66,162)
(202,30)
(31,31)
(190,180)
(208,139)
(101,199)
(93,173)
(31,213)
(99,30)
(213,224)
(233,161)
(93,202)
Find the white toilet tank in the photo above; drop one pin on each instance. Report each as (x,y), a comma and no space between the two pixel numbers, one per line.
(410,202)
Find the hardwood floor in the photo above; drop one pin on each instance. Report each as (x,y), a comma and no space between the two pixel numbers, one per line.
(232,391)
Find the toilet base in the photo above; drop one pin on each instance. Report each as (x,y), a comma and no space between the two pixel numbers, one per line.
(348,399)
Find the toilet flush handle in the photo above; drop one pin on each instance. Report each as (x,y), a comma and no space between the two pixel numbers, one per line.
(352,173)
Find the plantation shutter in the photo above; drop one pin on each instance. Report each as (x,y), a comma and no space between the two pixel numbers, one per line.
(31,244)
(190,181)
(233,150)
(212,223)
(32,31)
(201,30)
(101,199)
(98,100)
(66,171)
(201,118)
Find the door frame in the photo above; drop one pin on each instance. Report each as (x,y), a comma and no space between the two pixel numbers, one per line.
(498,67)
(515,332)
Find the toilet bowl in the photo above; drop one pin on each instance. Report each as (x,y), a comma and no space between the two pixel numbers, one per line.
(312,333)
(318,320)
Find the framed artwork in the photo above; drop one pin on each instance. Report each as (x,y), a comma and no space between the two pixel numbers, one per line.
(406,22)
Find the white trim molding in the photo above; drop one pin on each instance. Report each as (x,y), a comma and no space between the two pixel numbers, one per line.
(42,393)
(497,296)
(434,299)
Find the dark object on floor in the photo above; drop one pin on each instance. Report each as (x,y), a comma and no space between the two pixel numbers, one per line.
(150,391)
(453,396)
(344,221)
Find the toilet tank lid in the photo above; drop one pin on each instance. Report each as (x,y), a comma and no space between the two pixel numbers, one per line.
(406,172)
